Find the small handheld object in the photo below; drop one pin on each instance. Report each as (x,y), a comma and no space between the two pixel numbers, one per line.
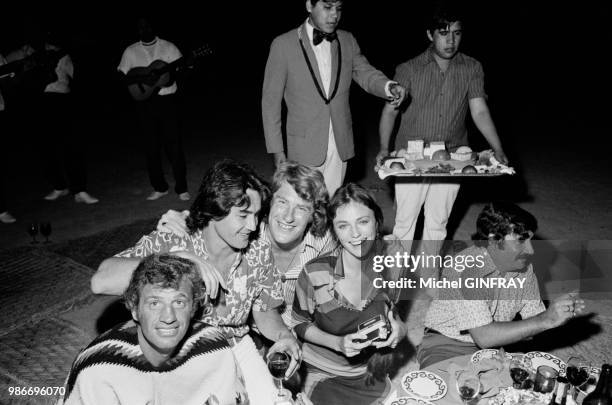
(376,329)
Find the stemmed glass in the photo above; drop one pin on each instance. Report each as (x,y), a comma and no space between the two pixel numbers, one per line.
(577,372)
(520,367)
(45,230)
(278,363)
(33,231)
(468,385)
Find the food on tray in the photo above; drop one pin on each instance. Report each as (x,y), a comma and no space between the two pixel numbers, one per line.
(432,148)
(441,154)
(415,150)
(397,165)
(469,169)
(463,153)
(513,396)
(400,153)
(440,168)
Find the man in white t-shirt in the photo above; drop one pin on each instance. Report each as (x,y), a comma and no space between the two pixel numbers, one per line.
(157,113)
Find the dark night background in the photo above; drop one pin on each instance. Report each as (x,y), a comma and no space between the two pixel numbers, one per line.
(545,62)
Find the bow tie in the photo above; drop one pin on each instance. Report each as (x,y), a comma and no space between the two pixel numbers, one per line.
(319,36)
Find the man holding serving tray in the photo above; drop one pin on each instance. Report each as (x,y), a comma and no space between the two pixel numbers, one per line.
(443,85)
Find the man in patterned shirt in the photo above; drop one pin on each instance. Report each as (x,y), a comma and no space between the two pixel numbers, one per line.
(221,222)
(462,320)
(444,84)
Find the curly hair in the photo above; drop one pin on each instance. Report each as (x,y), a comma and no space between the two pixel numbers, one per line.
(308,184)
(500,218)
(352,192)
(225,186)
(164,271)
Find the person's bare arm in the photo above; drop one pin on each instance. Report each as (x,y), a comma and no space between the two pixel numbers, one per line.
(498,334)
(113,275)
(484,122)
(271,325)
(385,128)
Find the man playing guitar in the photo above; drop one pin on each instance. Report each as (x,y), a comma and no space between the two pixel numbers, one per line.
(45,72)
(158,114)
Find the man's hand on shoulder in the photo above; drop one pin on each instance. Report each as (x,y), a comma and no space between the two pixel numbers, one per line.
(210,275)
(174,222)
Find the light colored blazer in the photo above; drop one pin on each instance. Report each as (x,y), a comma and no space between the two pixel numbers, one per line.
(308,116)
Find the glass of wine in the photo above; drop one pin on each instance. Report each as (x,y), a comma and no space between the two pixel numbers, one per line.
(45,230)
(577,372)
(520,367)
(278,363)
(33,231)
(468,385)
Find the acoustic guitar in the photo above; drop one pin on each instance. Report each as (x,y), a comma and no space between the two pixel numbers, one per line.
(143,82)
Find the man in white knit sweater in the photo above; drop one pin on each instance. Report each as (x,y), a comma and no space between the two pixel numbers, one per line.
(161,356)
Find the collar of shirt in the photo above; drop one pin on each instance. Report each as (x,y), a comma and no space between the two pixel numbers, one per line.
(199,235)
(367,287)
(309,32)
(428,57)
(146,44)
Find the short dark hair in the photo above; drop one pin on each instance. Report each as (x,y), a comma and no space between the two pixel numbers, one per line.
(445,13)
(309,184)
(314,2)
(501,218)
(164,271)
(353,192)
(225,186)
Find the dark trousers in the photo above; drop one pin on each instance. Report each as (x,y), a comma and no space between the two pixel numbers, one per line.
(436,348)
(160,127)
(62,151)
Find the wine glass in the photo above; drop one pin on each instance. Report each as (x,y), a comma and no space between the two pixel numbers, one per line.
(468,385)
(45,230)
(278,363)
(577,372)
(33,231)
(520,366)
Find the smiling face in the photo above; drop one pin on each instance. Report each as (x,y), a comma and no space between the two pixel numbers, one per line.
(355,223)
(235,229)
(163,316)
(325,14)
(445,41)
(289,216)
(513,254)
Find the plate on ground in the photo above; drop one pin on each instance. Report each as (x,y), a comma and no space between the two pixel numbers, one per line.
(486,354)
(546,359)
(424,384)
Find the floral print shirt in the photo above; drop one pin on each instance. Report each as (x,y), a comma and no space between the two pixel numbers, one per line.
(253,282)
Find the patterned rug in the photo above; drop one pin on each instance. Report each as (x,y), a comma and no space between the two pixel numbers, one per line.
(36,283)
(37,286)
